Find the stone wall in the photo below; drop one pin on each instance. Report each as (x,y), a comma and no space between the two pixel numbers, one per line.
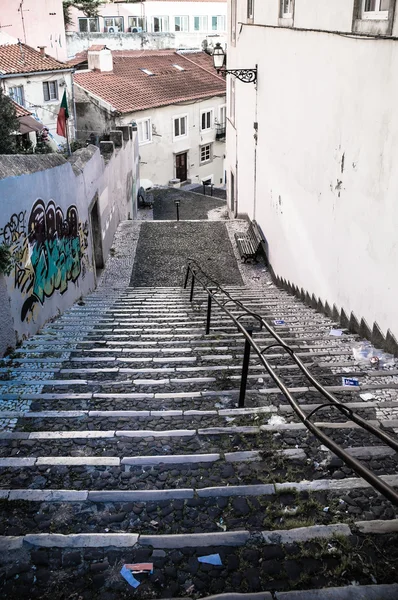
(48,207)
(77,42)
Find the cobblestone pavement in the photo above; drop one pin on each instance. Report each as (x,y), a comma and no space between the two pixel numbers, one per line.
(121,442)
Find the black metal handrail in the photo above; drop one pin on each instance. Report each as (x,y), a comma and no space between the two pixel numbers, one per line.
(213,288)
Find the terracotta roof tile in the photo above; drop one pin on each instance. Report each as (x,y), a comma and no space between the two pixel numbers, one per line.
(128,88)
(20,58)
(20,111)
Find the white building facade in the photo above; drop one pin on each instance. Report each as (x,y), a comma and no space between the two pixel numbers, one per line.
(150,24)
(38,82)
(181,137)
(311,148)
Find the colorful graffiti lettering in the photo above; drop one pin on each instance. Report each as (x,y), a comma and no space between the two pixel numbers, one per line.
(48,253)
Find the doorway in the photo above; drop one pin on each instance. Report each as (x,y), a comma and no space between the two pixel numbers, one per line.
(96,233)
(181,166)
(232,193)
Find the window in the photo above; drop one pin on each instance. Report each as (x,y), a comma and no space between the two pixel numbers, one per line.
(250,9)
(205,153)
(218,23)
(88,25)
(50,90)
(180,127)
(233,22)
(113,24)
(136,24)
(206,120)
(287,9)
(181,24)
(200,23)
(17,94)
(160,24)
(232,100)
(223,115)
(144,131)
(375,9)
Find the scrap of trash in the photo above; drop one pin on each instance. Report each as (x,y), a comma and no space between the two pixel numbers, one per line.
(366,354)
(128,572)
(211,559)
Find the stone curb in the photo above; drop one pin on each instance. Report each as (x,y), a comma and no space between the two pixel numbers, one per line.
(304,534)
(361,592)
(196,540)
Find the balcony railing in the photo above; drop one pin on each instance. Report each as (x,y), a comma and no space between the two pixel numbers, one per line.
(220,131)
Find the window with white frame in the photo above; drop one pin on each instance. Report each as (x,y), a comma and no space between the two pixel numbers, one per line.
(180,126)
(206,153)
(50,90)
(218,23)
(375,9)
(144,128)
(287,9)
(222,115)
(89,25)
(136,24)
(250,9)
(206,120)
(233,22)
(160,24)
(200,23)
(232,100)
(113,24)
(181,23)
(17,94)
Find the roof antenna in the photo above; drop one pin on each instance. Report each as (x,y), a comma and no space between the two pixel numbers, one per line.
(21,49)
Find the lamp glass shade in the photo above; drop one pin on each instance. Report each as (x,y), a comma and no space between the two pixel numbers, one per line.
(218,57)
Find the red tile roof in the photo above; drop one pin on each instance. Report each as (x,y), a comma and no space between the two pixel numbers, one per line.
(128,89)
(20,58)
(20,110)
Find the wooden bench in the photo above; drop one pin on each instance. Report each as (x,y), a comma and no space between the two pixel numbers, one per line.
(250,243)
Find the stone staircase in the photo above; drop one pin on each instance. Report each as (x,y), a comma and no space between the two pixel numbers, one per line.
(122,442)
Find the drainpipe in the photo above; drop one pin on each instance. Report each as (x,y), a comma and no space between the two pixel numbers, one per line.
(255,153)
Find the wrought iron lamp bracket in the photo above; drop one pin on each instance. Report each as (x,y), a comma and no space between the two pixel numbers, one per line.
(245,75)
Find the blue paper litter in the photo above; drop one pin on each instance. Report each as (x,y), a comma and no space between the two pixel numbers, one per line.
(350,382)
(211,559)
(129,577)
(279,322)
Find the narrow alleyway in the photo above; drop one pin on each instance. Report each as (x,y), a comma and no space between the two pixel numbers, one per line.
(122,442)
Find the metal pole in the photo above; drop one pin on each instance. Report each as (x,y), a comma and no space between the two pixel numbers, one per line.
(192,286)
(178,210)
(245,369)
(208,314)
(204,190)
(186,278)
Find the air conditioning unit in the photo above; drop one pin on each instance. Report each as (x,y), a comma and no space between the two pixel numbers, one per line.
(112,29)
(135,29)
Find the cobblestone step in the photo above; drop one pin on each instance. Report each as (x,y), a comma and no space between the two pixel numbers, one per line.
(122,442)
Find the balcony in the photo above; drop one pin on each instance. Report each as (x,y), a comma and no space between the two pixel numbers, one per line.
(220,132)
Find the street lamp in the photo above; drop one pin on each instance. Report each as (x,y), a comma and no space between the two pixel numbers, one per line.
(245,75)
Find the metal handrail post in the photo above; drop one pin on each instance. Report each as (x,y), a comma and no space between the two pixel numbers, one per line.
(187,277)
(245,370)
(192,286)
(208,313)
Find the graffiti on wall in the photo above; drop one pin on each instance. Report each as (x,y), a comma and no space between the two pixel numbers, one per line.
(49,250)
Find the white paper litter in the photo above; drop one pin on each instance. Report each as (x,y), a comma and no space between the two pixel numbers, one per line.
(276,420)
(336,332)
(366,396)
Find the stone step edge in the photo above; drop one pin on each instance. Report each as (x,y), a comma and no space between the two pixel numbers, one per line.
(265,489)
(143,433)
(141,461)
(193,540)
(65,414)
(382,591)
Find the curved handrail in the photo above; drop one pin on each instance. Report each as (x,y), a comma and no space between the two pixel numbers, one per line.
(213,288)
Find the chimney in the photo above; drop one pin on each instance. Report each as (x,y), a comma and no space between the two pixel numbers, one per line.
(100,59)
(42,50)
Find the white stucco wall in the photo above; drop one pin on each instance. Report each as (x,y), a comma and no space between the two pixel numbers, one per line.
(51,271)
(157,159)
(46,112)
(326,184)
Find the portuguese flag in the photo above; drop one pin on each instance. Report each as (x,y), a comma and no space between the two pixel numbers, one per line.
(63,115)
